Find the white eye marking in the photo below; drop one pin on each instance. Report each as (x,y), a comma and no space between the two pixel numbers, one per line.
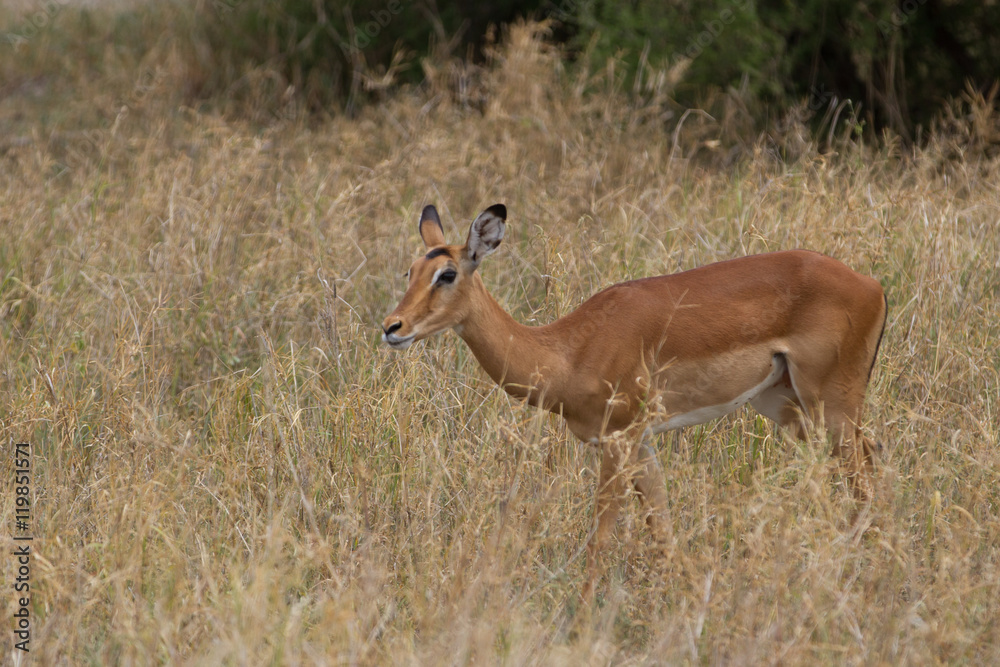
(446,274)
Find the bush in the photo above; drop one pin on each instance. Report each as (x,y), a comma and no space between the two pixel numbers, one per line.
(899,59)
(334,53)
(724,42)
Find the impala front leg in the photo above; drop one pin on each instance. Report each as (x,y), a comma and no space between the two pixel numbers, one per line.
(610,491)
(626,456)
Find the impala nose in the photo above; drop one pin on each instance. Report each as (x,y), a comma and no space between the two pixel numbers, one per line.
(392,328)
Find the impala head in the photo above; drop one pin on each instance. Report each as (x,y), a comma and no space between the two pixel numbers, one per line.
(440,282)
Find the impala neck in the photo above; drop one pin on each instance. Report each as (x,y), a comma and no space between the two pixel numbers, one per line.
(519,358)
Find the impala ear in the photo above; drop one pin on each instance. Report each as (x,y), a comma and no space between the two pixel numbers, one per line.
(431,230)
(485,233)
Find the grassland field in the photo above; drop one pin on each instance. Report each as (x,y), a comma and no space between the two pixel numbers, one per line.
(229,468)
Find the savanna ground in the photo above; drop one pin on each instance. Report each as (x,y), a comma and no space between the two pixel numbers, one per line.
(229,468)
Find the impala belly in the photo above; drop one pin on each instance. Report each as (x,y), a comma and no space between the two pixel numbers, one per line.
(687,410)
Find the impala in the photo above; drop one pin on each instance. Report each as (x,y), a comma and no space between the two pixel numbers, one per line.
(794,334)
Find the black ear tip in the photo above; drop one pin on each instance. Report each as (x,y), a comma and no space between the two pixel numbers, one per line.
(430,213)
(499,210)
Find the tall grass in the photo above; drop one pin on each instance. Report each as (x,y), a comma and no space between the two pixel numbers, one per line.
(229,468)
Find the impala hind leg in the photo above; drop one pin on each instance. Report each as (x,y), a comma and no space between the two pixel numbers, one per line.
(651,486)
(853,449)
(836,396)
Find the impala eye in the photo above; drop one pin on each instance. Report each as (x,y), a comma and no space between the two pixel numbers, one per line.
(447,277)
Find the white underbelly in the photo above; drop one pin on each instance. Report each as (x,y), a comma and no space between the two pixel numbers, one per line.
(710,412)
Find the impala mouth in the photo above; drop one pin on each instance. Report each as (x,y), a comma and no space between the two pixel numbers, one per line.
(397,342)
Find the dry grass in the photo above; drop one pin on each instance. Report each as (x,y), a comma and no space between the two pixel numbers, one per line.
(229,467)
